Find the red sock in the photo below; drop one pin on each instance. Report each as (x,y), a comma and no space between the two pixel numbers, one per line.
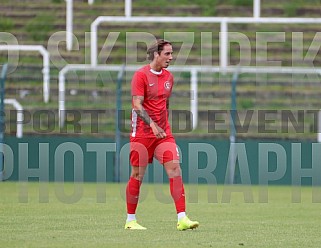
(132,194)
(177,191)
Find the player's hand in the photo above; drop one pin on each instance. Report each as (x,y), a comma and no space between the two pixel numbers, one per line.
(158,132)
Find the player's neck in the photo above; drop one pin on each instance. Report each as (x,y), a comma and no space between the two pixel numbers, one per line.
(155,67)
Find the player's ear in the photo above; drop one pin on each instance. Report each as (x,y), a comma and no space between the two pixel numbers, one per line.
(156,55)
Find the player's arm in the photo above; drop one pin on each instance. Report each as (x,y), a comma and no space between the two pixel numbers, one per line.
(139,109)
(141,112)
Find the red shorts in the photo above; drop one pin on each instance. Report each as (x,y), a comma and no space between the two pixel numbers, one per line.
(143,150)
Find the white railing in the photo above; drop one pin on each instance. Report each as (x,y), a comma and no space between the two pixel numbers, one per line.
(128,8)
(70,14)
(256,8)
(194,70)
(223,21)
(69,24)
(46,63)
(73,67)
(19,109)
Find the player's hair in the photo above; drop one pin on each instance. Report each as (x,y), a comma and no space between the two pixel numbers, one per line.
(158,47)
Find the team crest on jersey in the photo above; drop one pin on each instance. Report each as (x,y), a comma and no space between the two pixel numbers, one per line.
(167,85)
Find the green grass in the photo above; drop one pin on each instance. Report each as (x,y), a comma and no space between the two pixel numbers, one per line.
(92,221)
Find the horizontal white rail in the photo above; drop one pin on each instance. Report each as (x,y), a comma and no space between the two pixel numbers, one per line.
(194,70)
(46,63)
(20,117)
(174,68)
(166,19)
(79,67)
(223,21)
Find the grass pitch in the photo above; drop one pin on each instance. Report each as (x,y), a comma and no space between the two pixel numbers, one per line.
(92,215)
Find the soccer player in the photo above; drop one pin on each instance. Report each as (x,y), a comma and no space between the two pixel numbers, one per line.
(151,134)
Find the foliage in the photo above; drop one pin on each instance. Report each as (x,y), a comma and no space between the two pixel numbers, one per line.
(290,9)
(40,27)
(242,2)
(246,103)
(6,24)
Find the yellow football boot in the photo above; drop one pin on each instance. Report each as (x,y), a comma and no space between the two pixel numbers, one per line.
(133,225)
(185,223)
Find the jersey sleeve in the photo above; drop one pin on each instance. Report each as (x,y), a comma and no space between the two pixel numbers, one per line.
(172,80)
(138,84)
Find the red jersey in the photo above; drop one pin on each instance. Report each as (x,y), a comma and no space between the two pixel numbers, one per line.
(156,89)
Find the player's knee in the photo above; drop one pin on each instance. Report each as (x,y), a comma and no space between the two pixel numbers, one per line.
(177,170)
(173,169)
(137,174)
